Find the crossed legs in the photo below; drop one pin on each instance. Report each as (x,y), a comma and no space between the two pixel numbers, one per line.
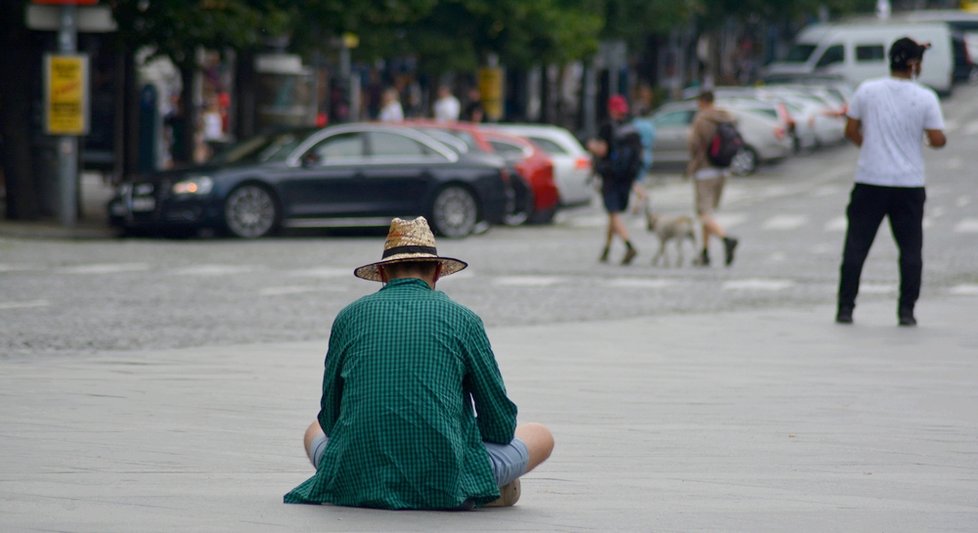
(537,438)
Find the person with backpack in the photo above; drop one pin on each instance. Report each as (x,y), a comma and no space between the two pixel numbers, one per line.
(713,141)
(617,160)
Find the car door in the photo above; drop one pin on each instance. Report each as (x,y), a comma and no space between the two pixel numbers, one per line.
(324,184)
(398,175)
(672,135)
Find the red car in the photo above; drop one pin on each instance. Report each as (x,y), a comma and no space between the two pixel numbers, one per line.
(535,192)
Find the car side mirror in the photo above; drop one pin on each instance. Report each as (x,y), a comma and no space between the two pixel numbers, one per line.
(310,159)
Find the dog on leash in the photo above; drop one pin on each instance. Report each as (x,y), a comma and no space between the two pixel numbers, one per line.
(675,228)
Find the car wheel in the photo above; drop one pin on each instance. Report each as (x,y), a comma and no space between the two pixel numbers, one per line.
(522,204)
(745,162)
(250,212)
(545,216)
(454,212)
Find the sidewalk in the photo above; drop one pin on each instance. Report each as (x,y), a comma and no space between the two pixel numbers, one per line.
(92,223)
(775,420)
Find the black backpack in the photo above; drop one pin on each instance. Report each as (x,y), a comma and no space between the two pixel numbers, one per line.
(625,154)
(724,145)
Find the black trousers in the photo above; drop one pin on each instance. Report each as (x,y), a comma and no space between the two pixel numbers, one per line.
(868,204)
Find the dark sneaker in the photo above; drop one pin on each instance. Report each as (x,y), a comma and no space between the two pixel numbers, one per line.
(844,316)
(630,254)
(907,319)
(729,245)
(703,259)
(604,255)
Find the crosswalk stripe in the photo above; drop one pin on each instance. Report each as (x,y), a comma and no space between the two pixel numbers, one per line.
(967,289)
(24,305)
(14,268)
(971,129)
(877,288)
(785,222)
(103,268)
(729,220)
(294,289)
(322,272)
(639,283)
(211,270)
(839,223)
(758,284)
(968,225)
(527,281)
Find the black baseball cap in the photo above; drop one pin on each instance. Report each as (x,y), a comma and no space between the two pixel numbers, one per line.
(904,50)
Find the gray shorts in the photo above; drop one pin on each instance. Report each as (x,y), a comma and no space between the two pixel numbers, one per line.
(509,461)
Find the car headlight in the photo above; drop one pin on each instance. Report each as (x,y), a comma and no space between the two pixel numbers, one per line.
(196,186)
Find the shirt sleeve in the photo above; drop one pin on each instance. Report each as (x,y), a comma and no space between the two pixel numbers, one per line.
(496,413)
(934,119)
(329,406)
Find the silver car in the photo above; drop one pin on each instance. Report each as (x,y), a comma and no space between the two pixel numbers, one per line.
(765,138)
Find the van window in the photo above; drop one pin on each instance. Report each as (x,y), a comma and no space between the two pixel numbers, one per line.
(834,54)
(799,53)
(870,52)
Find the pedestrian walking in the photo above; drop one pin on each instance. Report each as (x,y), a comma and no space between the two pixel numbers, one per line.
(888,119)
(391,110)
(709,175)
(617,155)
(447,107)
(407,369)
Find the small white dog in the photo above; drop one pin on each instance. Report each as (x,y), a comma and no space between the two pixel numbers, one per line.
(676,228)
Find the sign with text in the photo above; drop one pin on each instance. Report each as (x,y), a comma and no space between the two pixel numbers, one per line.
(66,94)
(491,89)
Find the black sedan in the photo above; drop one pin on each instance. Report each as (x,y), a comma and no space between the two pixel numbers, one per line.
(347,175)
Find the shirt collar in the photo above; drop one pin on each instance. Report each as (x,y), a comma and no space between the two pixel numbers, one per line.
(406,282)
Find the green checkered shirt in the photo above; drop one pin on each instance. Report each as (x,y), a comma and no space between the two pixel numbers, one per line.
(405,366)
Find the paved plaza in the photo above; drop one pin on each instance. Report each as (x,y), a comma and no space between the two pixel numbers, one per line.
(765,420)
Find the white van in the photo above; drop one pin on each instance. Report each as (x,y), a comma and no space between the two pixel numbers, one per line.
(858,50)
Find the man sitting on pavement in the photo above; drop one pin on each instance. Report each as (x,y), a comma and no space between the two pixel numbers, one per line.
(407,369)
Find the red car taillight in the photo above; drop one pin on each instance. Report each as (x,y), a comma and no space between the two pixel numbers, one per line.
(582,163)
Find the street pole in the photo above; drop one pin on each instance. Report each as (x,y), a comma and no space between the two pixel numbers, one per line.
(68,144)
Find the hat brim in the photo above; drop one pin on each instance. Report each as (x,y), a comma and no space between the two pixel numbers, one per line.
(371,272)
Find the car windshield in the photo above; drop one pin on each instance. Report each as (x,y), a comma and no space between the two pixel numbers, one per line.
(260,149)
(800,52)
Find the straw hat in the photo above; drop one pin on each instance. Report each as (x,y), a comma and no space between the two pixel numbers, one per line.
(409,240)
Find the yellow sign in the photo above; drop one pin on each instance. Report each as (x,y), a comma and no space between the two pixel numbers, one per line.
(970,6)
(491,90)
(66,94)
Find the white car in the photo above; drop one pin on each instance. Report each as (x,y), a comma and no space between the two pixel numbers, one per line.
(572,162)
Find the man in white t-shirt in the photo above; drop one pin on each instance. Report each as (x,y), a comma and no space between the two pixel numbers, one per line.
(889,118)
(447,107)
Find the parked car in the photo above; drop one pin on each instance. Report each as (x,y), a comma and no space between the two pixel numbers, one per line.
(765,138)
(347,175)
(535,194)
(572,162)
